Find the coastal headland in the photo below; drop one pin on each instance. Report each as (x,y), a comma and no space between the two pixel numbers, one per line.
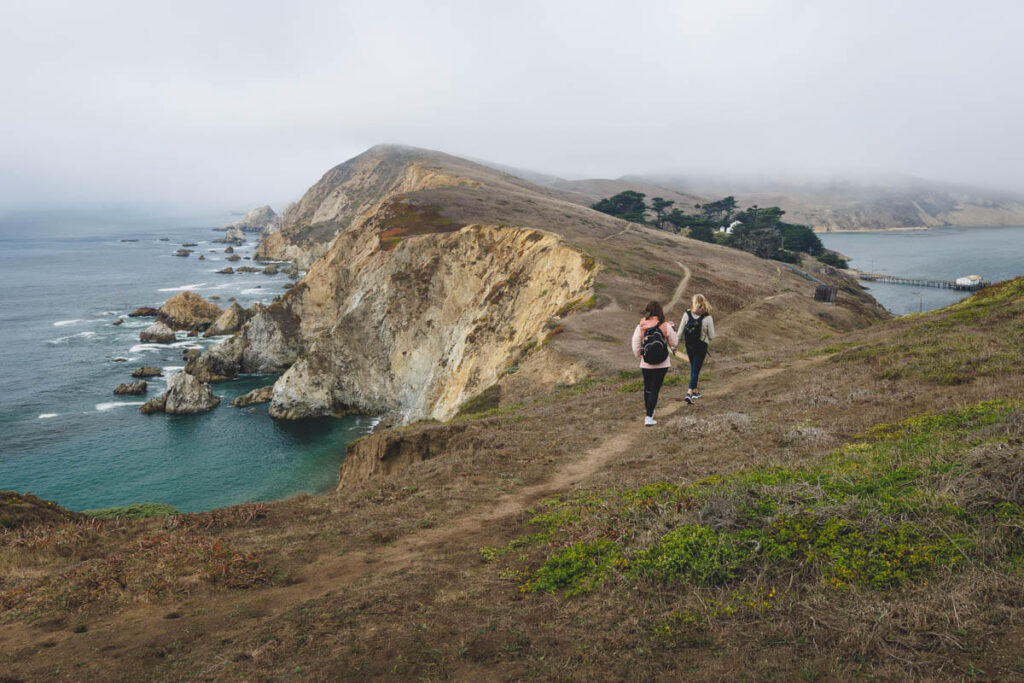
(844,500)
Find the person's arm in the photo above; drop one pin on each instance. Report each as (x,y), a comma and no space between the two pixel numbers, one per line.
(709,325)
(672,336)
(636,341)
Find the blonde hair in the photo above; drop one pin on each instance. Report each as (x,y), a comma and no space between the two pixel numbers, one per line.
(700,301)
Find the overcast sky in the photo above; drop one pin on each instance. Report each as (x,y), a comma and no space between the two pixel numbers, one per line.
(233,104)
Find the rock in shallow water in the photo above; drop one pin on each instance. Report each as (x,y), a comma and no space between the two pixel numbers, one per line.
(147,371)
(261,395)
(158,333)
(188,311)
(132,389)
(186,394)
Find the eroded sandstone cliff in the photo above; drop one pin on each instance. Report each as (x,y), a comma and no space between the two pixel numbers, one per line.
(416,328)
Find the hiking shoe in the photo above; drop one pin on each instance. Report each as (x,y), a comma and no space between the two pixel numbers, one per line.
(689,399)
(648,421)
(695,395)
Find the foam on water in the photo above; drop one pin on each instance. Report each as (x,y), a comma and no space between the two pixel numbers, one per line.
(47,416)
(103,407)
(61,340)
(142,348)
(182,288)
(62,323)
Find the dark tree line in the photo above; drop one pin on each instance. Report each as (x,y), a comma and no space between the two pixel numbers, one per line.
(760,231)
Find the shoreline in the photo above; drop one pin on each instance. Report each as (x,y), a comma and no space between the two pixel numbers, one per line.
(820,229)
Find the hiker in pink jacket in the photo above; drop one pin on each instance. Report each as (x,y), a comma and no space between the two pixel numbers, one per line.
(653,341)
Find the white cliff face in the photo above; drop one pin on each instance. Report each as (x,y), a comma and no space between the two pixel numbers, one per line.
(425,326)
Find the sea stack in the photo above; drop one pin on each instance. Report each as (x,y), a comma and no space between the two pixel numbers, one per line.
(188,311)
(158,333)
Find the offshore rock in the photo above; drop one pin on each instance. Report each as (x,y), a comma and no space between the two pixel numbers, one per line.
(186,394)
(188,311)
(153,405)
(261,395)
(229,322)
(158,333)
(262,220)
(143,312)
(270,269)
(132,389)
(147,371)
(233,257)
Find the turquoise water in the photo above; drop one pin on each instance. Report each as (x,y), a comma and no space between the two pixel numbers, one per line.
(65,437)
(937,254)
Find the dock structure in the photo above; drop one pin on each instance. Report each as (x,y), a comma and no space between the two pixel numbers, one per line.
(967,284)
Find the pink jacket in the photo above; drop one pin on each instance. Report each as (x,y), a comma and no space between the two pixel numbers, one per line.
(670,335)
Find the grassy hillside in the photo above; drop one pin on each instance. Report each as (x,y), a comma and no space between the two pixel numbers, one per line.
(835,509)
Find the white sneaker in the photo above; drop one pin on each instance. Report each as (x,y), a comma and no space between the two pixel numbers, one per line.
(648,421)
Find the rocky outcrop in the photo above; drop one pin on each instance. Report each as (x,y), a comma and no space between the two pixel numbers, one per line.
(227,271)
(143,312)
(132,389)
(229,250)
(270,343)
(185,395)
(261,395)
(119,321)
(147,371)
(270,269)
(229,322)
(385,453)
(153,405)
(262,220)
(183,252)
(232,236)
(158,333)
(188,311)
(233,257)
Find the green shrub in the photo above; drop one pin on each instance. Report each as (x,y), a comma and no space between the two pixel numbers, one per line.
(578,568)
(693,553)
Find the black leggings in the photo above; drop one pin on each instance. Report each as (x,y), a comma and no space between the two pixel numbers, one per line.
(653,377)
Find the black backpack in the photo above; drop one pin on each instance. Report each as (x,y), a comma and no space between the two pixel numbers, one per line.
(692,329)
(655,347)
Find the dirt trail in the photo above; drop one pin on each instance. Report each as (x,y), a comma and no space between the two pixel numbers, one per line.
(570,474)
(681,289)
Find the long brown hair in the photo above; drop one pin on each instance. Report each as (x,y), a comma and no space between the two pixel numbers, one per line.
(653,308)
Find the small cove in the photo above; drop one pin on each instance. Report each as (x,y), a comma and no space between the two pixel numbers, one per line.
(67,438)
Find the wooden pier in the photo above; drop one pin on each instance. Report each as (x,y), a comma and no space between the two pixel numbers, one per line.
(919,282)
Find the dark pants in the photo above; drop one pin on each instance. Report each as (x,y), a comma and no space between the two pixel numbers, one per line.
(653,377)
(696,355)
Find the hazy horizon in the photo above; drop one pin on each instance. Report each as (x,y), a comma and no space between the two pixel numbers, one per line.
(222,106)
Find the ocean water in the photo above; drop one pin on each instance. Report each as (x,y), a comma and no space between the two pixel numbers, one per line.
(937,254)
(65,437)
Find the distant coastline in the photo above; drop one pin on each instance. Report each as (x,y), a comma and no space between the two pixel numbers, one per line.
(913,228)
(820,228)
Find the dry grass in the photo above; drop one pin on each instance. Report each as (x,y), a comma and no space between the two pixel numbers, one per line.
(388,580)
